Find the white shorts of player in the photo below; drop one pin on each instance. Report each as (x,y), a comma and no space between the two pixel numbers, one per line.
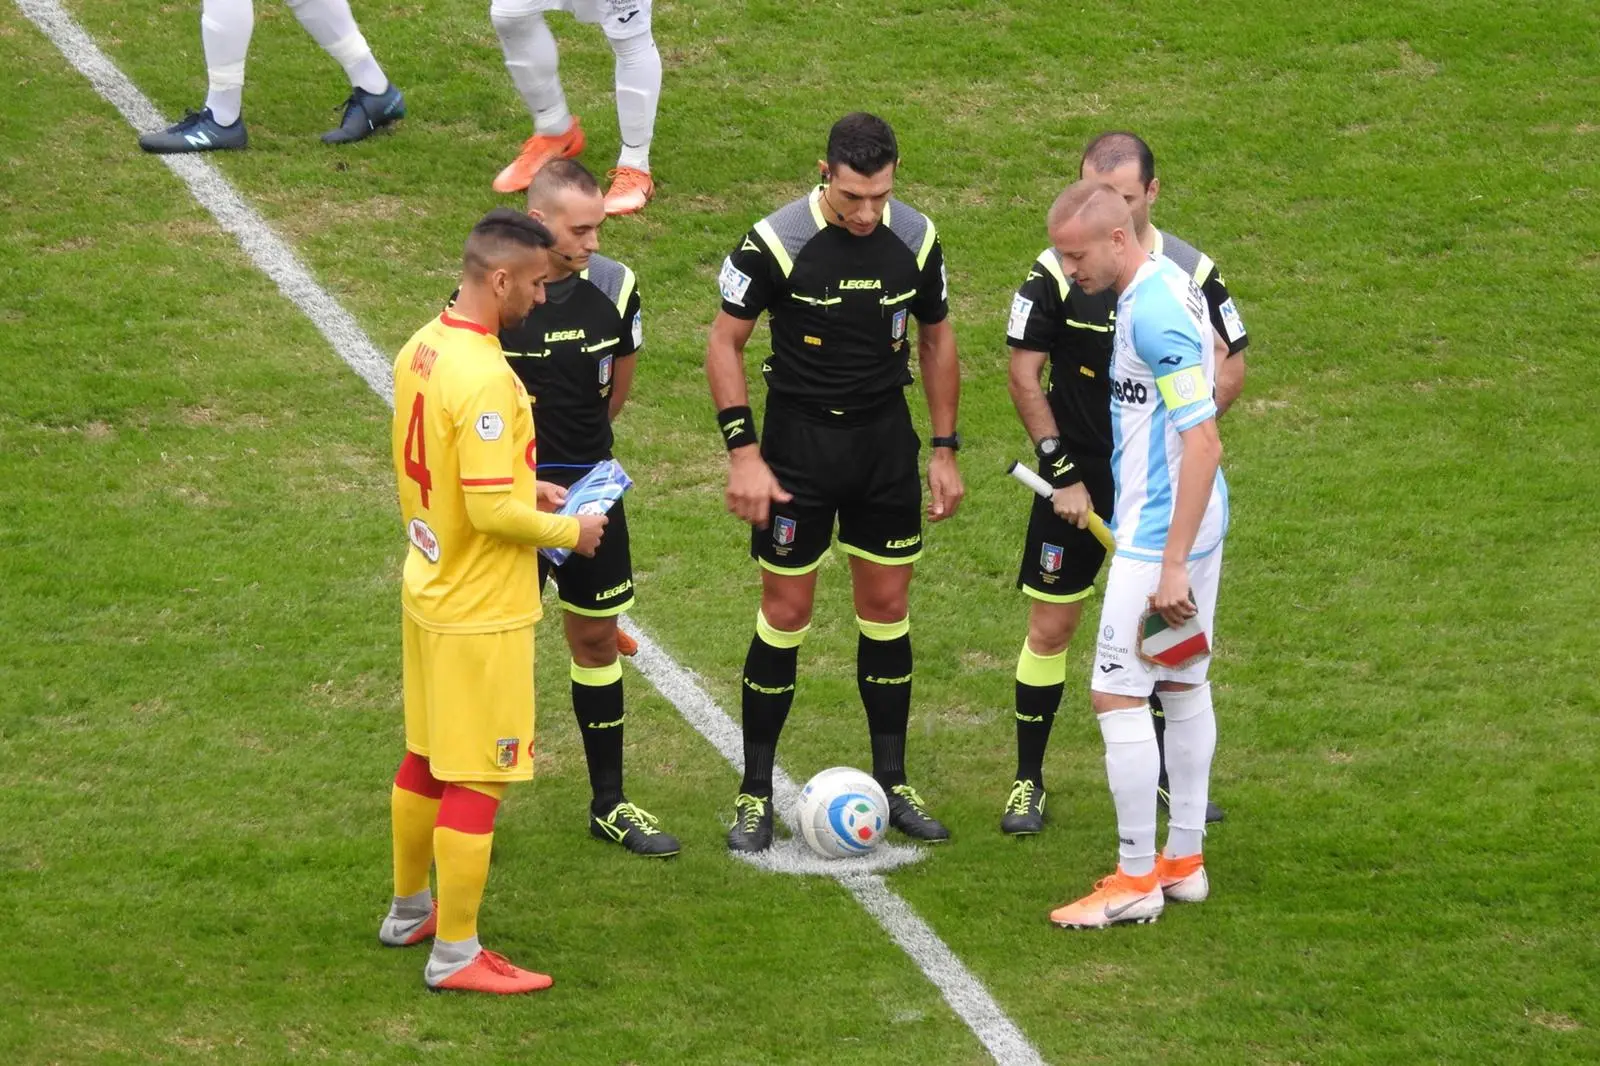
(621,19)
(1118,670)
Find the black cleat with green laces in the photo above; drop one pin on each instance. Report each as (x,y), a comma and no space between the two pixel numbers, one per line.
(635,829)
(909,814)
(752,823)
(1024,809)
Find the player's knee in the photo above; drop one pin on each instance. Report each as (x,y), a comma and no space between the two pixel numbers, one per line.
(634,47)
(790,614)
(593,645)
(1106,702)
(1051,626)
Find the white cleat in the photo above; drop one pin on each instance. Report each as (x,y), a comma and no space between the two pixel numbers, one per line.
(1183,880)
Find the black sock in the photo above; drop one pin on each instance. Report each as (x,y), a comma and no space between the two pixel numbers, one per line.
(1160,717)
(765,697)
(883,676)
(1036,713)
(597,704)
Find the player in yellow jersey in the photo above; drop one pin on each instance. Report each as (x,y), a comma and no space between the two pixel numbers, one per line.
(464,456)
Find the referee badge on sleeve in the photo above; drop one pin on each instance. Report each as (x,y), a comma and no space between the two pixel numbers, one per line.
(897,327)
(605,370)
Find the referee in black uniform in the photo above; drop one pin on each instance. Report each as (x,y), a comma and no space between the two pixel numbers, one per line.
(1052,321)
(575,353)
(841,273)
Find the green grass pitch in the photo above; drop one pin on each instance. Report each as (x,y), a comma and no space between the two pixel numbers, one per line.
(199,555)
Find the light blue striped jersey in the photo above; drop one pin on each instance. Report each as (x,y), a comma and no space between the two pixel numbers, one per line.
(1162,378)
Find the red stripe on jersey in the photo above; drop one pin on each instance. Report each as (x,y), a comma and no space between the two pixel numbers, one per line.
(463,323)
(466,810)
(487,481)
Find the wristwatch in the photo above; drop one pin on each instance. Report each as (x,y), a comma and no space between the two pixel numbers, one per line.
(953,442)
(1047,448)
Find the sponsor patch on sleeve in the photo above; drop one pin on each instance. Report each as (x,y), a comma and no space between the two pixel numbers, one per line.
(491,425)
(1183,387)
(638,328)
(1232,324)
(1021,308)
(733,282)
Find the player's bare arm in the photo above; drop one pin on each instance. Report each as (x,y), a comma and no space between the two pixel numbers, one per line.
(752,488)
(1230,377)
(1027,396)
(621,385)
(941,383)
(1202,455)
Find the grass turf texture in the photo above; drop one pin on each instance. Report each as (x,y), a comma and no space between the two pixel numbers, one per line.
(199,699)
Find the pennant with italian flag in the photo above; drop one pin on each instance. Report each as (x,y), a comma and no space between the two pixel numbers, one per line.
(1173,647)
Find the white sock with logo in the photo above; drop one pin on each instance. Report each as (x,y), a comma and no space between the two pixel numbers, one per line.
(1191,741)
(638,80)
(535,67)
(225,28)
(331,25)
(1133,769)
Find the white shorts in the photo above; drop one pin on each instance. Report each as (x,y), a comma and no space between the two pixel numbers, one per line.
(621,19)
(1117,667)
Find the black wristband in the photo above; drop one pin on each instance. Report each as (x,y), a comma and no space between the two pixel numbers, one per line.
(1061,470)
(738,427)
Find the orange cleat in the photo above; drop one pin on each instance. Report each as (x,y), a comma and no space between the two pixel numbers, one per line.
(626,645)
(1115,899)
(403,933)
(536,152)
(494,974)
(630,190)
(1183,880)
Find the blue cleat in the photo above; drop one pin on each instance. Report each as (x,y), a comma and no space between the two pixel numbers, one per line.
(197,131)
(365,113)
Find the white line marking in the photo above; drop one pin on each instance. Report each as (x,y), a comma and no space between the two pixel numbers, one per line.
(964,992)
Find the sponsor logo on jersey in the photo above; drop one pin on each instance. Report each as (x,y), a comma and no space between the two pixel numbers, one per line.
(605,370)
(615,590)
(1021,308)
(904,542)
(1232,324)
(638,328)
(423,539)
(1050,558)
(783,531)
(860,283)
(505,752)
(563,335)
(1130,391)
(733,282)
(897,327)
(491,425)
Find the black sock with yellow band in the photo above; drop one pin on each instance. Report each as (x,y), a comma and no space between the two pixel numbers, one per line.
(597,704)
(883,676)
(765,697)
(1040,682)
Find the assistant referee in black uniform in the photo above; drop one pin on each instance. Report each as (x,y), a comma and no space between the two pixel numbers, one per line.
(841,273)
(576,353)
(1054,322)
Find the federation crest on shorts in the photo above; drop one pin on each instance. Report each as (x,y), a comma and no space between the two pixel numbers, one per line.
(897,325)
(605,370)
(1050,558)
(505,752)
(783,531)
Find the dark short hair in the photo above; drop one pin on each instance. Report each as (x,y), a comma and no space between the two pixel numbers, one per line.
(497,233)
(862,142)
(560,174)
(1111,150)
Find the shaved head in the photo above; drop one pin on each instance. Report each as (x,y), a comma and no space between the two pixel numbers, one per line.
(503,267)
(1091,229)
(1094,205)
(556,176)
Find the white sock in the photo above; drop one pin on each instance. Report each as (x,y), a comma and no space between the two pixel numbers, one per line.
(1191,741)
(414,907)
(534,66)
(225,28)
(1133,768)
(638,89)
(333,27)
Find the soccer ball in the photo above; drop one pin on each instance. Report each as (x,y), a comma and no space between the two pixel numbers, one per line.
(843,812)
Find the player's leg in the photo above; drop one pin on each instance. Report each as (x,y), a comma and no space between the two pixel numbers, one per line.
(1191,743)
(638,84)
(1120,697)
(1158,709)
(481,726)
(373,102)
(413,804)
(534,65)
(225,28)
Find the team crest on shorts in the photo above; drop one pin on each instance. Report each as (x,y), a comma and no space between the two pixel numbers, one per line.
(605,370)
(783,531)
(1050,558)
(897,326)
(505,752)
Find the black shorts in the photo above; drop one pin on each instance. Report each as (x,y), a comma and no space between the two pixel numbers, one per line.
(1059,560)
(600,587)
(861,467)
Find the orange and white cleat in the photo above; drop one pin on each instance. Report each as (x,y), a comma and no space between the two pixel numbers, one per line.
(630,190)
(1115,900)
(536,152)
(494,974)
(404,932)
(626,645)
(1183,880)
